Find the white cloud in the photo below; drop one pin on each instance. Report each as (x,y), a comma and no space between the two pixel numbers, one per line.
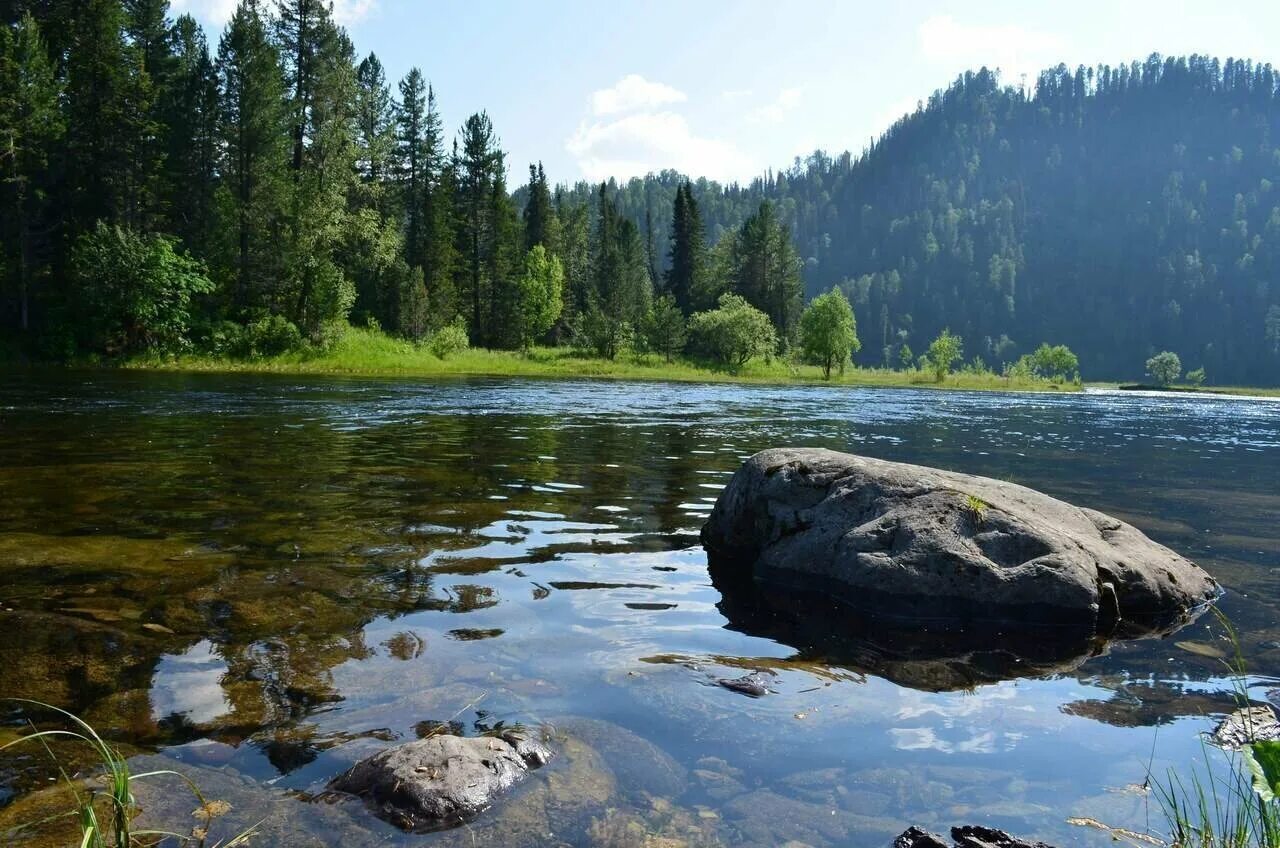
(218,12)
(636,144)
(633,93)
(214,11)
(349,12)
(1015,50)
(775,111)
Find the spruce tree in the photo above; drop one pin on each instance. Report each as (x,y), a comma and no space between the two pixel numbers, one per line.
(478,164)
(688,254)
(191,140)
(30,125)
(255,143)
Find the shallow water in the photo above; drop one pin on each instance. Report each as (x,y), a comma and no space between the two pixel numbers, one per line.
(263,579)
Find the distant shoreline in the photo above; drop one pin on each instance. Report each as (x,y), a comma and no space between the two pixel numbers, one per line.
(366,353)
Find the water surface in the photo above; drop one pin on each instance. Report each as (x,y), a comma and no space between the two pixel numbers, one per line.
(265,578)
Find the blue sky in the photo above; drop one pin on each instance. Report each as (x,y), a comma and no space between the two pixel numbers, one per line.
(726,90)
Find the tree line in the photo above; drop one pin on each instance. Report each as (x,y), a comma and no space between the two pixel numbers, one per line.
(1122,210)
(161,193)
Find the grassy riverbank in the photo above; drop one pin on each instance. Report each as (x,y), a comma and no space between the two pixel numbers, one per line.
(1234,391)
(373,354)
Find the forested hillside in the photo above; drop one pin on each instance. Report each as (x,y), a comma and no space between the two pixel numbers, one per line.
(253,190)
(1120,211)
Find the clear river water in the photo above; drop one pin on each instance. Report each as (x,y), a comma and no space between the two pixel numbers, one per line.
(262,579)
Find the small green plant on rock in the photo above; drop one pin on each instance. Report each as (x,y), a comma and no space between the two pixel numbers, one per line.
(976,507)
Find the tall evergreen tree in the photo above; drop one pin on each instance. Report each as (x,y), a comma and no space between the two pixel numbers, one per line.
(30,125)
(439,182)
(540,224)
(106,101)
(478,164)
(320,77)
(255,142)
(411,156)
(191,123)
(768,269)
(688,254)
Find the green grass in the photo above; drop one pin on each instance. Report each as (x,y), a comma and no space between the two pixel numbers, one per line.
(371,353)
(1247,391)
(104,817)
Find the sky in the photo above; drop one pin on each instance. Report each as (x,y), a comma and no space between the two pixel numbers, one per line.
(726,90)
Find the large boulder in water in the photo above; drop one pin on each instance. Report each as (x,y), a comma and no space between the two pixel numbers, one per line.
(913,544)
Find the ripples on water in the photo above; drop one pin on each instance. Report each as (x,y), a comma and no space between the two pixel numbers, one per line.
(266,577)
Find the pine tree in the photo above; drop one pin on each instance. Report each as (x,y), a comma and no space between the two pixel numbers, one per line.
(768,269)
(255,142)
(30,125)
(190,158)
(688,255)
(104,108)
(439,256)
(478,165)
(320,77)
(540,224)
(411,156)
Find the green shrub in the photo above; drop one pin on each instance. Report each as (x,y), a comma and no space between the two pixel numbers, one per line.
(596,333)
(134,291)
(733,333)
(270,335)
(449,339)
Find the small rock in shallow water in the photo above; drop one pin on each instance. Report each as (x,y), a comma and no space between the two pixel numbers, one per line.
(749,684)
(1251,724)
(442,780)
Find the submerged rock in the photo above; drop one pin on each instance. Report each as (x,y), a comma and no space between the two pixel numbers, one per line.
(752,684)
(925,546)
(441,780)
(1247,725)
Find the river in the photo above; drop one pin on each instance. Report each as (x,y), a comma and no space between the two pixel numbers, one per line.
(263,578)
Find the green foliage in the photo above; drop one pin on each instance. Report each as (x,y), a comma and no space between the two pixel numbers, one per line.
(268,335)
(107,822)
(1165,368)
(828,332)
(449,340)
(906,357)
(539,295)
(595,332)
(688,252)
(413,315)
(733,333)
(944,352)
(666,329)
(1053,362)
(976,507)
(134,291)
(1196,377)
(1262,758)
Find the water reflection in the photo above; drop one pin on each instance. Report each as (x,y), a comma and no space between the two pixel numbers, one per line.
(271,576)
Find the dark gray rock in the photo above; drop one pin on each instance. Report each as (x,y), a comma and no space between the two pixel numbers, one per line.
(442,780)
(752,684)
(924,545)
(1247,725)
(918,837)
(976,836)
(970,836)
